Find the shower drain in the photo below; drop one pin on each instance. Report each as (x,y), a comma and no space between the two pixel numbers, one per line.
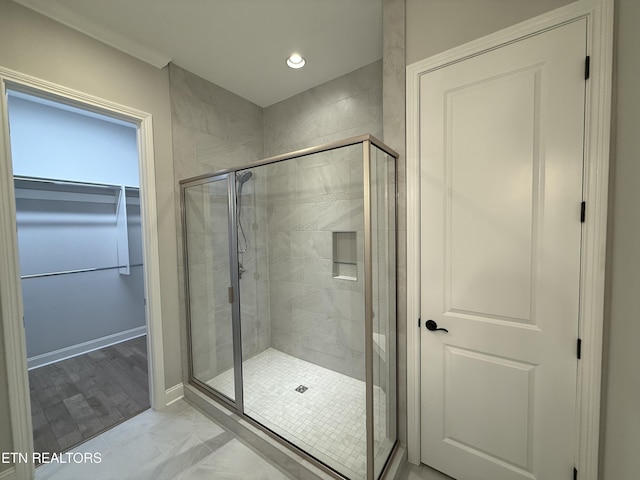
(302,389)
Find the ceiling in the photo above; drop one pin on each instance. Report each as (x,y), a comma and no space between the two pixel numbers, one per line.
(241,45)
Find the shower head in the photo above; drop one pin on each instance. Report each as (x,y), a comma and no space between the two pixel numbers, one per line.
(243,177)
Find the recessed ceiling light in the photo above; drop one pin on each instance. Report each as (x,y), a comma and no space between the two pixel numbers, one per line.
(296,61)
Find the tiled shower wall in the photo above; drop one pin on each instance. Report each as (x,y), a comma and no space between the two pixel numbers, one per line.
(394,115)
(214,129)
(208,247)
(316,317)
(313,316)
(341,108)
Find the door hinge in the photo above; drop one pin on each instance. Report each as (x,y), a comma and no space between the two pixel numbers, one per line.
(587,67)
(575,473)
(579,348)
(583,212)
(230,294)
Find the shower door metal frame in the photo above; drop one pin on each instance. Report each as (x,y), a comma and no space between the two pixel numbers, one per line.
(367,144)
(368,309)
(367,141)
(234,296)
(235,292)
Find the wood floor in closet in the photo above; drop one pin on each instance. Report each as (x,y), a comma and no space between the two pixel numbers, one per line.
(76,399)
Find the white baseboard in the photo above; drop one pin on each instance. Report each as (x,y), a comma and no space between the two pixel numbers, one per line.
(174,394)
(85,347)
(8,474)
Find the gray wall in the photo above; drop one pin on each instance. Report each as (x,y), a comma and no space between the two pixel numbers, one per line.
(38,46)
(347,106)
(64,311)
(621,407)
(52,142)
(436,25)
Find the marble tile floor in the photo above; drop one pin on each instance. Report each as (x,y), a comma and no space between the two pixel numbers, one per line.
(422,472)
(177,443)
(327,420)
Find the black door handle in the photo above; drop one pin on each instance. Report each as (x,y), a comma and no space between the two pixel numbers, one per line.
(433,326)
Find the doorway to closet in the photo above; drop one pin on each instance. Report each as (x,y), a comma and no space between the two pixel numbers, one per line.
(81,267)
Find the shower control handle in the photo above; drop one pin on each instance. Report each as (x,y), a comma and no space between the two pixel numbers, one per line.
(433,326)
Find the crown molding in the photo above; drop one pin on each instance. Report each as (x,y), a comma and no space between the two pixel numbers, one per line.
(72,19)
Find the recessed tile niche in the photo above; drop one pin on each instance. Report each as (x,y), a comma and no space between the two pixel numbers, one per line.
(345,256)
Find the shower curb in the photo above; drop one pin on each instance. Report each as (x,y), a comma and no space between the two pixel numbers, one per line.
(287,461)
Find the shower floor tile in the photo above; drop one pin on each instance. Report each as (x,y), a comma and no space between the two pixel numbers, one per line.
(327,420)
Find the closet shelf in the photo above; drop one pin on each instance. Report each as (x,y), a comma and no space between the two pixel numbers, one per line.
(119,196)
(66,190)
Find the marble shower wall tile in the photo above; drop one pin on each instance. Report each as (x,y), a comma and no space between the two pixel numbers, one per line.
(290,209)
(212,110)
(215,129)
(393,106)
(314,316)
(344,107)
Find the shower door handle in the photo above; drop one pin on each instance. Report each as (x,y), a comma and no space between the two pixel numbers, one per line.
(433,326)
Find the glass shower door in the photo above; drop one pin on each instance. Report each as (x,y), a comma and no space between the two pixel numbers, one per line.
(206,254)
(383,265)
(291,301)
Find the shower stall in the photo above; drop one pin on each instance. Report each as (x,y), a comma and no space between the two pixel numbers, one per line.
(290,287)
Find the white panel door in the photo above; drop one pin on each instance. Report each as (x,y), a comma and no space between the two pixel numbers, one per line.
(501,152)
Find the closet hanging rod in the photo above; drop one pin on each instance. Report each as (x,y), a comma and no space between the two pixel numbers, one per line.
(82,270)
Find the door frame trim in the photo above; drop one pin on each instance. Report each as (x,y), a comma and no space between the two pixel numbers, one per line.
(599,15)
(11,308)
